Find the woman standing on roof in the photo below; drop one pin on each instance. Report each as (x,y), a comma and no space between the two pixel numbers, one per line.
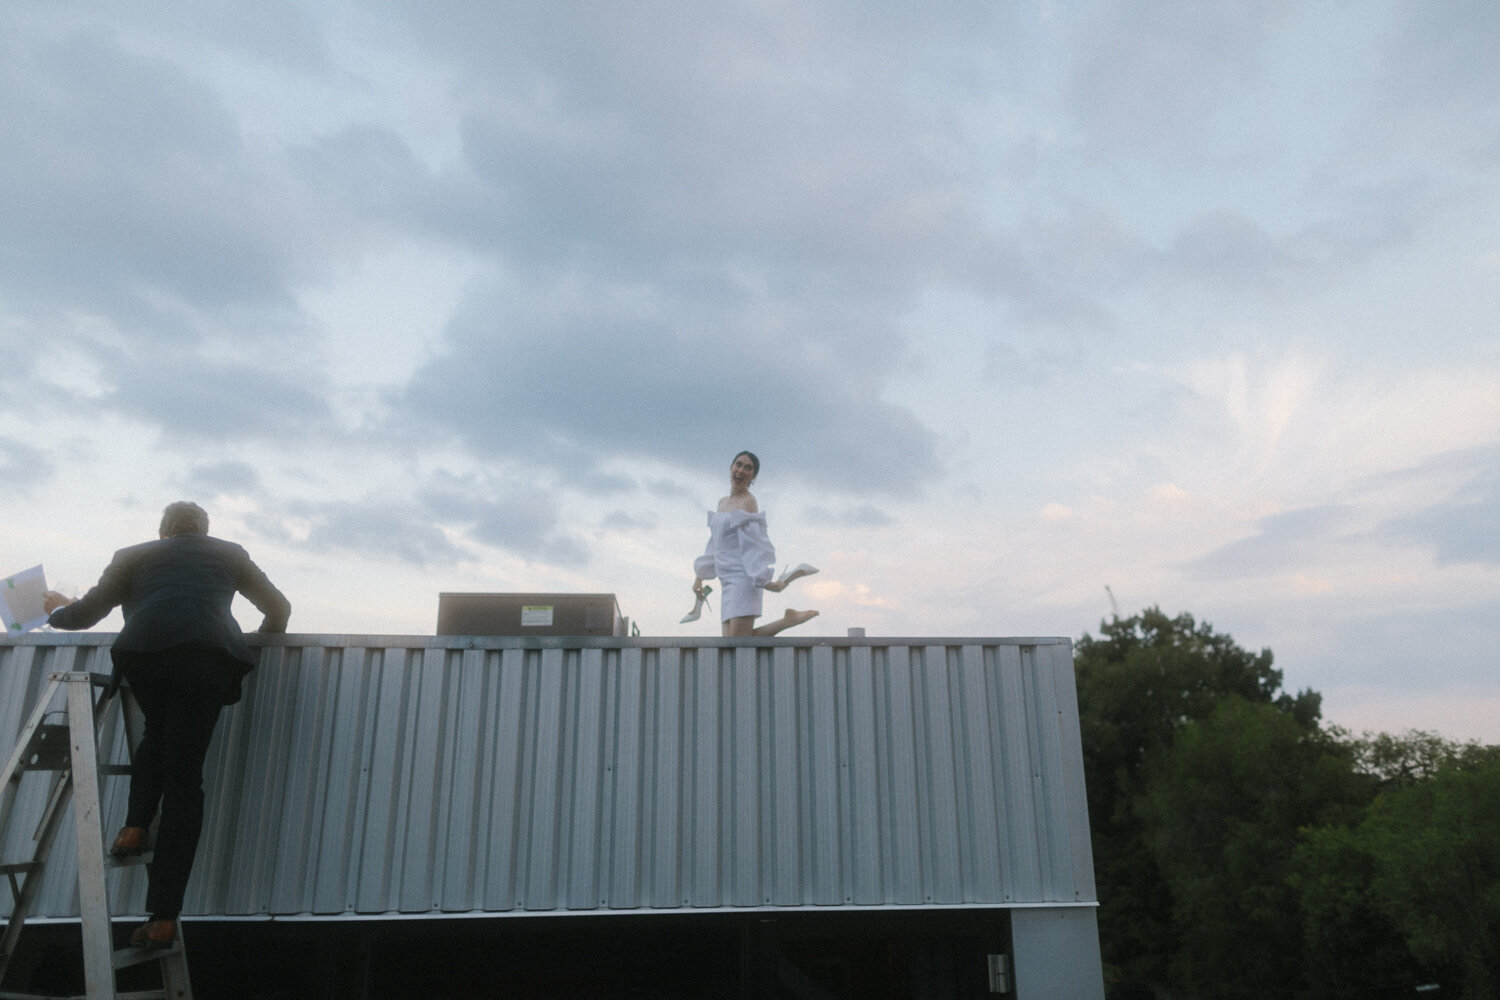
(740,554)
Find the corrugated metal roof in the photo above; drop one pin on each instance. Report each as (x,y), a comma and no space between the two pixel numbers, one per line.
(411,775)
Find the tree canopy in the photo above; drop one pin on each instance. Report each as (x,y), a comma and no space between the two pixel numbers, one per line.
(1242,849)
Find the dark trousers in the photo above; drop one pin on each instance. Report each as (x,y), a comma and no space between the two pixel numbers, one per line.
(180,691)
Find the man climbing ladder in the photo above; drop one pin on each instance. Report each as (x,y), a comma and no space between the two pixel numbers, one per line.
(184,656)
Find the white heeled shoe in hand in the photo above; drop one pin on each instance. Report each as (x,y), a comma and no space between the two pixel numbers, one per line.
(697,611)
(803,569)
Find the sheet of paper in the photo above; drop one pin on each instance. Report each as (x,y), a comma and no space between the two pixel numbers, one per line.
(21,600)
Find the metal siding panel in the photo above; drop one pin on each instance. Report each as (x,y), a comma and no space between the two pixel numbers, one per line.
(1021,818)
(1004,825)
(466,735)
(740,801)
(542,768)
(943,874)
(1051,803)
(902,809)
(1070,774)
(626,782)
(864,825)
(702,803)
(415,858)
(425,775)
(502,884)
(781,799)
(383,801)
(586,779)
(823,871)
(336,854)
(305,787)
(982,831)
(22,669)
(249,760)
(666,790)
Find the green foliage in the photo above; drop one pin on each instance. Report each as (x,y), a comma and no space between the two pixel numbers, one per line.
(1141,681)
(1349,943)
(1418,879)
(1221,809)
(1412,756)
(1243,850)
(1436,851)
(1147,675)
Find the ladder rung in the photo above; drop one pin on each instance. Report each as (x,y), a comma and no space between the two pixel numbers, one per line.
(128,861)
(124,958)
(20,867)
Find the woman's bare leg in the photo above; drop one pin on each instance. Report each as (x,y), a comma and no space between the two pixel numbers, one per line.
(786,621)
(742,626)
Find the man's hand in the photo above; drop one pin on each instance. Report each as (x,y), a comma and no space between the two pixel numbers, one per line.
(52,600)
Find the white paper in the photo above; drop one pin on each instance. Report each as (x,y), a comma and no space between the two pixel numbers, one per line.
(22,600)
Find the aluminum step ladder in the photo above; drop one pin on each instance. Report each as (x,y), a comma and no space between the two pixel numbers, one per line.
(62,739)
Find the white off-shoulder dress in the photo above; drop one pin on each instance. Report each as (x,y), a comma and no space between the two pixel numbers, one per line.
(740,554)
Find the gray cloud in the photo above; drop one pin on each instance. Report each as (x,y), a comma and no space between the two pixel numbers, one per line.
(195,400)
(220,479)
(379,528)
(696,230)
(372,179)
(1229,249)
(835,185)
(133,188)
(1464,526)
(518,518)
(686,130)
(1282,542)
(706,259)
(1433,83)
(550,378)
(21,464)
(1399,652)
(628,522)
(858,516)
(1156,79)
(1459,526)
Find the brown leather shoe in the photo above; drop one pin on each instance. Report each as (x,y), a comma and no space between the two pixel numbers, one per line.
(129,842)
(156,934)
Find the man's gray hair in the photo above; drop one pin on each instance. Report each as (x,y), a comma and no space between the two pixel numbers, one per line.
(183,518)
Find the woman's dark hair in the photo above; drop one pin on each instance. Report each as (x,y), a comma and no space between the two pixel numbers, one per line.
(753,460)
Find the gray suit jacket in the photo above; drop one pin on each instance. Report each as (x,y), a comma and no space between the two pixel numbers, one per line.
(176,591)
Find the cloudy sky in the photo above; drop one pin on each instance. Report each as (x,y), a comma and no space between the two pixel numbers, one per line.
(1016,301)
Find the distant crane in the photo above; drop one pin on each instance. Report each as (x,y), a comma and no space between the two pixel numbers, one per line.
(1114,607)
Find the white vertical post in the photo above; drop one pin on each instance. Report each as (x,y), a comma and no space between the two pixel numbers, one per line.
(93,898)
(1056,952)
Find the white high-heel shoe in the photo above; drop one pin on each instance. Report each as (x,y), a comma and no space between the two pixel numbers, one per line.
(801,569)
(697,611)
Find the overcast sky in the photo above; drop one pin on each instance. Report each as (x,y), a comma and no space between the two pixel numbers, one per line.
(1015,301)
